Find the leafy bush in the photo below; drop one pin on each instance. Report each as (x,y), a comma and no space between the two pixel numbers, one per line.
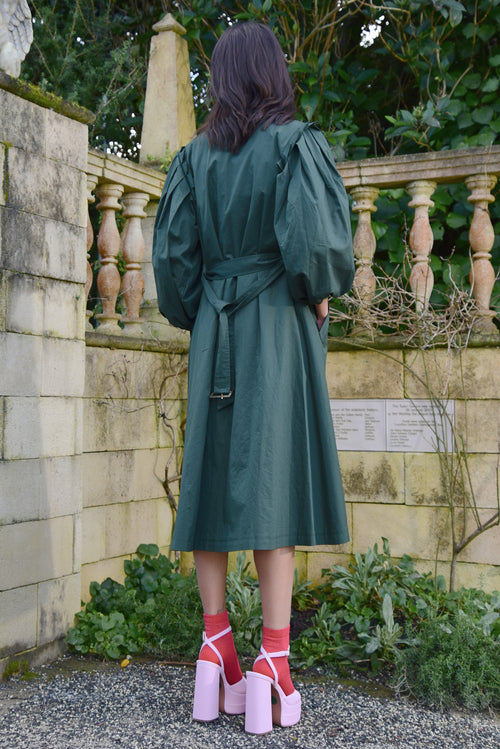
(374,614)
(451,664)
(157,610)
(374,610)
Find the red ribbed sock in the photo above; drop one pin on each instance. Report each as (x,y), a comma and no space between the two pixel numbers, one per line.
(225,645)
(274,641)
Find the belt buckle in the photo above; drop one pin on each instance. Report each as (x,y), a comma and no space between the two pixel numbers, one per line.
(221,396)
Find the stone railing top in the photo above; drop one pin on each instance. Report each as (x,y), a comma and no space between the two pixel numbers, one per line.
(439,166)
(386,172)
(134,177)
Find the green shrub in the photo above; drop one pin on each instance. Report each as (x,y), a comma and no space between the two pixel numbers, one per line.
(374,614)
(451,664)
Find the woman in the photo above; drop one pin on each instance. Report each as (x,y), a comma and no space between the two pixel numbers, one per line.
(252,235)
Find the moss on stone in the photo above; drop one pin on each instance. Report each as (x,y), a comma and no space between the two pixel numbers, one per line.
(45,99)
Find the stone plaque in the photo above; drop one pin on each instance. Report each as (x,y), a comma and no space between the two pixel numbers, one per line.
(387,425)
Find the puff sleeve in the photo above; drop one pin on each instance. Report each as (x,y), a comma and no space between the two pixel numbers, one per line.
(177,258)
(312,223)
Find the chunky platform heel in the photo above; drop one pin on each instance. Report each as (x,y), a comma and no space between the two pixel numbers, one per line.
(212,692)
(266,702)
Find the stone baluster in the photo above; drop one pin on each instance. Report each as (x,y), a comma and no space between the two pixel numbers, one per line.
(364,244)
(421,242)
(91,183)
(133,247)
(481,237)
(108,244)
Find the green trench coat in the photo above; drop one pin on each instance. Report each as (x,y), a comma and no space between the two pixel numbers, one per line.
(243,246)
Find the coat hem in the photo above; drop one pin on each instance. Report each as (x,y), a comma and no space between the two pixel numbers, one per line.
(243,545)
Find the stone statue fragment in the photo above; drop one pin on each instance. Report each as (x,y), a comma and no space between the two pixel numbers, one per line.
(16,35)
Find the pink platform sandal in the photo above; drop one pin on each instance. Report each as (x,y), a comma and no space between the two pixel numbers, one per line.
(212,692)
(266,701)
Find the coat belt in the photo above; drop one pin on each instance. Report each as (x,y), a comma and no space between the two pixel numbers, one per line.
(268,267)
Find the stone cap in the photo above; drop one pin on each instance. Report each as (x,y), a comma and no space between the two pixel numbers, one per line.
(32,93)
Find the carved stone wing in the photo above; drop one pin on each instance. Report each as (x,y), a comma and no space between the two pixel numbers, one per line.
(16,34)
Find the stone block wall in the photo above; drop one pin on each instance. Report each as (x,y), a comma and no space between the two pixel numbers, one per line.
(43,158)
(126,448)
(401,495)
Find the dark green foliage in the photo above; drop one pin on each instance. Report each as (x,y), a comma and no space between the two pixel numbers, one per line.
(376,613)
(428,80)
(451,663)
(157,610)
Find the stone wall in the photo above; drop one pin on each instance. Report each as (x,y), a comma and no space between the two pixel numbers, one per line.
(126,449)
(401,495)
(43,158)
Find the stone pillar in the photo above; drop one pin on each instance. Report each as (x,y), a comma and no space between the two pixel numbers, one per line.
(133,247)
(43,226)
(482,237)
(108,244)
(168,121)
(364,245)
(91,183)
(421,242)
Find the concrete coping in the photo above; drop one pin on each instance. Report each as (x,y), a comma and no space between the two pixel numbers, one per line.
(386,172)
(438,166)
(133,176)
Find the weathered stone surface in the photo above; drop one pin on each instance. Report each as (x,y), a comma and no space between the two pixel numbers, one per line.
(126,475)
(42,246)
(25,304)
(18,622)
(3,186)
(485,548)
(109,477)
(3,294)
(66,140)
(58,602)
(61,480)
(120,425)
(372,477)
(63,367)
(150,294)
(39,427)
(411,530)
(479,422)
(474,373)
(39,488)
(128,525)
(20,370)
(93,534)
(47,552)
(41,306)
(483,576)
(317,561)
(15,112)
(46,188)
(363,374)
(168,109)
(424,479)
(164,525)
(20,491)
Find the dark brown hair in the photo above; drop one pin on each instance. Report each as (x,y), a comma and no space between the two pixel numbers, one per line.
(249,84)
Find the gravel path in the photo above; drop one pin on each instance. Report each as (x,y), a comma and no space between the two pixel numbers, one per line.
(79,704)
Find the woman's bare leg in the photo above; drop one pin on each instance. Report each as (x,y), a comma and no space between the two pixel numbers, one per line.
(275,569)
(211,571)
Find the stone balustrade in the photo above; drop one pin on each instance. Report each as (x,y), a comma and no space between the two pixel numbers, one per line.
(420,174)
(124,189)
